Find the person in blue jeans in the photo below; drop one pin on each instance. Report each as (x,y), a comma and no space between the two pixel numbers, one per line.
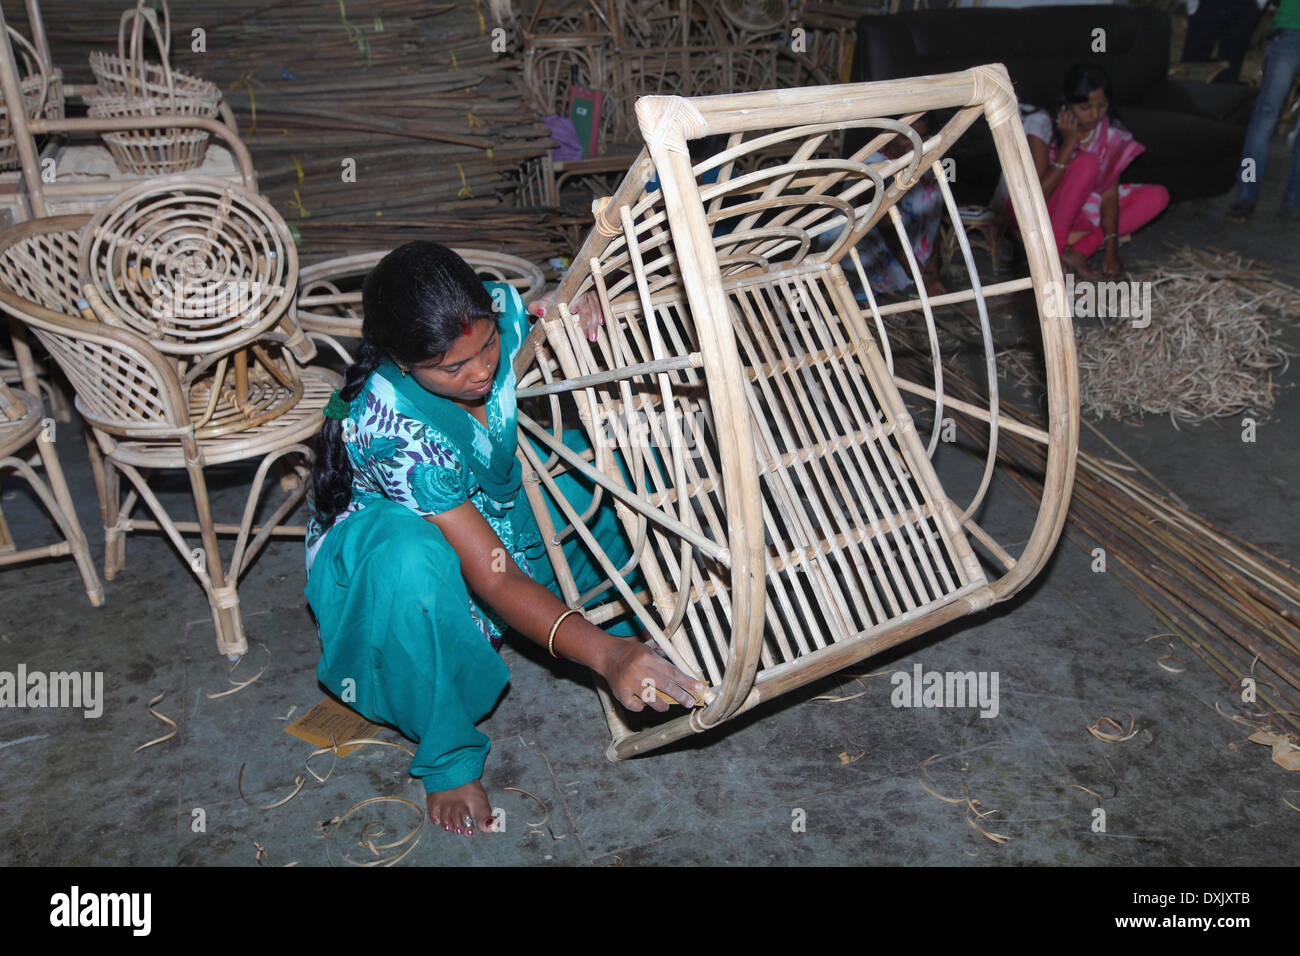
(1229,23)
(1281,62)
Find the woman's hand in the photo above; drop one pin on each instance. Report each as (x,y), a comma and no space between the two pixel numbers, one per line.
(635,672)
(586,308)
(1111,267)
(1068,125)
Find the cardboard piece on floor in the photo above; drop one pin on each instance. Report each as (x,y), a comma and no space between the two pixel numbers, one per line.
(330,721)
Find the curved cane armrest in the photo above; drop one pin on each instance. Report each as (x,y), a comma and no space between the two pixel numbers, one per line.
(173,416)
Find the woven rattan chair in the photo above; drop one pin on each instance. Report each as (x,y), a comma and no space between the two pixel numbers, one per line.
(142,409)
(20,367)
(21,423)
(748,412)
(203,269)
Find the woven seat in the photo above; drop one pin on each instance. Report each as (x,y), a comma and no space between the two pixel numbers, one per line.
(21,423)
(771,444)
(135,402)
(299,424)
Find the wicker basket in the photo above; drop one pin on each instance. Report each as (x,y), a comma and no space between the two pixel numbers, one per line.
(42,93)
(130,87)
(126,73)
(113,79)
(153,152)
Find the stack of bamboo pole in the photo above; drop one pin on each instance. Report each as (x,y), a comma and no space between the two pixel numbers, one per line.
(1229,602)
(1234,605)
(369,123)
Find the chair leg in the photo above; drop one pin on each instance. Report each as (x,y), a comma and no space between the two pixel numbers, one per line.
(6,539)
(223,595)
(114,536)
(204,561)
(68,522)
(290,480)
(229,622)
(97,469)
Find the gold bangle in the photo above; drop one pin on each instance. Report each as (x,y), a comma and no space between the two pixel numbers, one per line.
(550,641)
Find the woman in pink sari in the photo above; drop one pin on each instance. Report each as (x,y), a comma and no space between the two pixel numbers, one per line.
(1079,160)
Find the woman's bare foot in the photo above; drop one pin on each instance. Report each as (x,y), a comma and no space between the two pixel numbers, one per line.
(463,809)
(1075,261)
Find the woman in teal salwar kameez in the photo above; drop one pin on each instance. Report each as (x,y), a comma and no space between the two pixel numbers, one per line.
(423,551)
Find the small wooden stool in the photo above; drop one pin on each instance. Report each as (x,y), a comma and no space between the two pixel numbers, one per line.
(984,229)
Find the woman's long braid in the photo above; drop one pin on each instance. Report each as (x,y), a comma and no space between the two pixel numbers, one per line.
(332,474)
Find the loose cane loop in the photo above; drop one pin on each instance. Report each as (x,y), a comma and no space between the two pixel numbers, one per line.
(604,225)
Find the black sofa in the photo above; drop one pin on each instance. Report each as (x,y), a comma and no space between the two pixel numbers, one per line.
(1193,132)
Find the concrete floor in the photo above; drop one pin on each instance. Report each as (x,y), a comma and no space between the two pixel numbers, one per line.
(796,782)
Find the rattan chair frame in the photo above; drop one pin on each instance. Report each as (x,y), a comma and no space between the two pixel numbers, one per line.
(802,433)
(134,401)
(38,86)
(21,424)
